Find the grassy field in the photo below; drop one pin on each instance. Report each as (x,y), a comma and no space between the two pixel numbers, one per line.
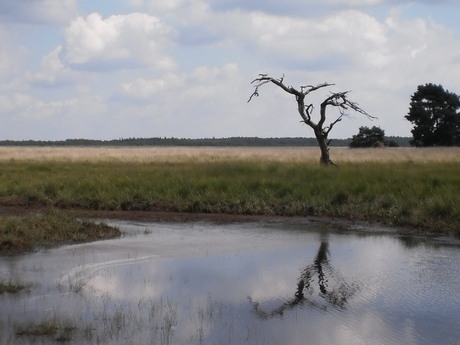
(400,186)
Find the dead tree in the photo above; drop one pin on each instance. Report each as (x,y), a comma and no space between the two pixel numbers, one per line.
(320,128)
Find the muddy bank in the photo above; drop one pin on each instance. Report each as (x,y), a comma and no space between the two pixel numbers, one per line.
(221,218)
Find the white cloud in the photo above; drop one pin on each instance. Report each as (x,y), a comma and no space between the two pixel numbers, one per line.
(131,40)
(12,55)
(13,102)
(142,88)
(295,8)
(183,10)
(52,70)
(30,108)
(38,11)
(356,2)
(5,63)
(215,75)
(28,117)
(206,102)
(7,57)
(204,82)
(170,5)
(348,34)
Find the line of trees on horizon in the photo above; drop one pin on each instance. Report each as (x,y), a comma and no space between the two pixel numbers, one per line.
(218,142)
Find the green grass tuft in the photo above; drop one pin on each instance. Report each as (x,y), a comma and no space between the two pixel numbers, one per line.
(24,233)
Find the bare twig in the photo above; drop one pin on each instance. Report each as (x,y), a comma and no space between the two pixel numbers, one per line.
(329,128)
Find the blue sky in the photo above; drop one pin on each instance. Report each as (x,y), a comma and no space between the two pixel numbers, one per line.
(182,68)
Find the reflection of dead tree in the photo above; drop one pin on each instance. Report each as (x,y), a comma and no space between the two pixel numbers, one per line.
(337,296)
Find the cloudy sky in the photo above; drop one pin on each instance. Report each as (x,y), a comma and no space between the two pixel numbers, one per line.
(112,69)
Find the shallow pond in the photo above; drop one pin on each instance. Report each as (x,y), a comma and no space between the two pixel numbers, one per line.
(236,284)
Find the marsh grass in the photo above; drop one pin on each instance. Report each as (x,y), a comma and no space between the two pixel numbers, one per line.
(58,330)
(145,321)
(24,233)
(12,287)
(395,186)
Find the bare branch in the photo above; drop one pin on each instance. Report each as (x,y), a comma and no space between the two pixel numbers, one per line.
(264,79)
(340,100)
(358,109)
(306,89)
(329,128)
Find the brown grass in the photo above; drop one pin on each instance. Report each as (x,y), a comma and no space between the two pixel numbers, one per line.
(211,154)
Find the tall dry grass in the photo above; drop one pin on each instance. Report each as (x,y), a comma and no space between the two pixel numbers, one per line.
(215,154)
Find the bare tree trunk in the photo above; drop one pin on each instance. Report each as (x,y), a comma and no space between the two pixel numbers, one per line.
(323,146)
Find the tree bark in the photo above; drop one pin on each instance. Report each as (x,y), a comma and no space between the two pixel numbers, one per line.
(323,146)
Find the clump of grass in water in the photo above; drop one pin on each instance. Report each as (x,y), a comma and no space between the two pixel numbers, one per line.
(54,328)
(12,287)
(163,318)
(24,233)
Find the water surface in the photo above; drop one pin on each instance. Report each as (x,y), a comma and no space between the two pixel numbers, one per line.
(237,284)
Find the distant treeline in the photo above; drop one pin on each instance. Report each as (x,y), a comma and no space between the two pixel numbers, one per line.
(232,141)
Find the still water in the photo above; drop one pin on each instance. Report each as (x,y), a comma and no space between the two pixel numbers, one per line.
(236,284)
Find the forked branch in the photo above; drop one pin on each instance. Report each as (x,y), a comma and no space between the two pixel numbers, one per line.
(304,89)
